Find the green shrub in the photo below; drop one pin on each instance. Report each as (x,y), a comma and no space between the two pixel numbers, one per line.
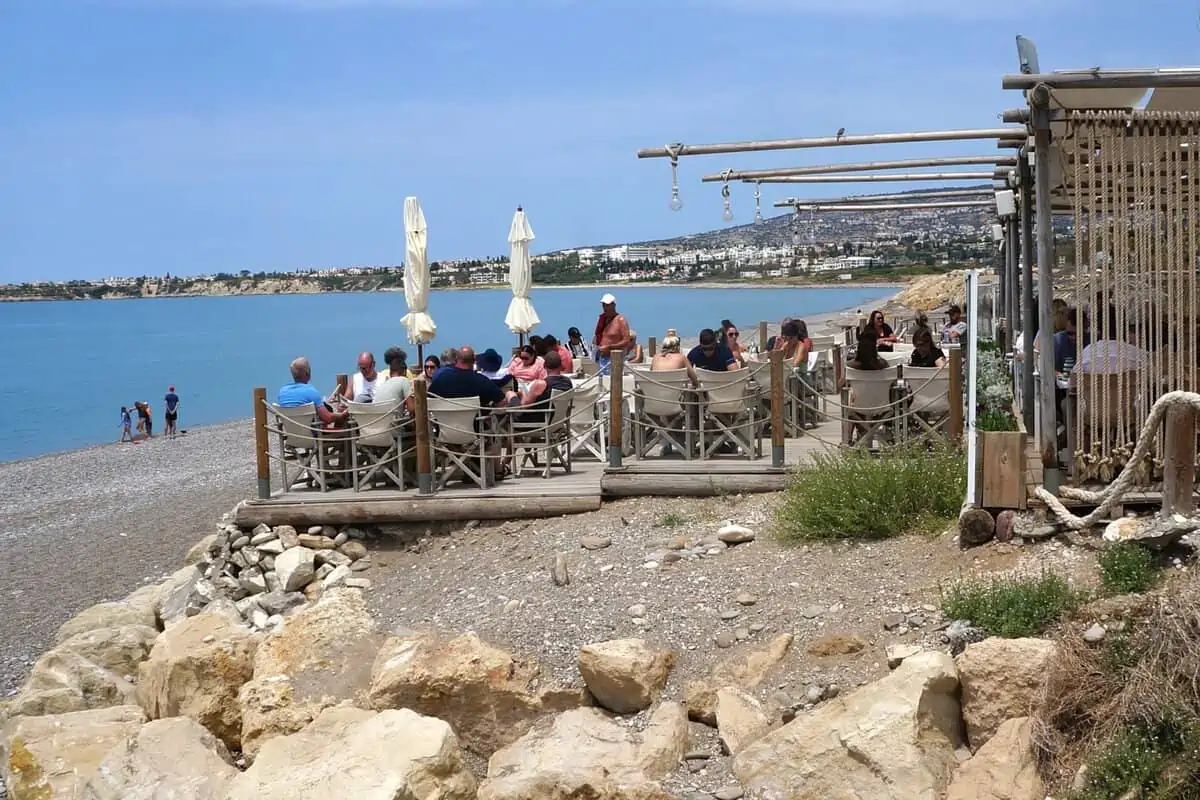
(1010,607)
(854,494)
(1160,761)
(1127,568)
(670,520)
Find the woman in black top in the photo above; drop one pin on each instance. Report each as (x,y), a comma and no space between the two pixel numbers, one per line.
(884,336)
(924,353)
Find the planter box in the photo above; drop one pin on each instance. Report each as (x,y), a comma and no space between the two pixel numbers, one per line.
(1001,460)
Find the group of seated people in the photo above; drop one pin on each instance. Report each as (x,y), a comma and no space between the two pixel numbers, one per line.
(878,337)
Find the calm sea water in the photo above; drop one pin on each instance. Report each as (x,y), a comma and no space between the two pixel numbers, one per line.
(68,367)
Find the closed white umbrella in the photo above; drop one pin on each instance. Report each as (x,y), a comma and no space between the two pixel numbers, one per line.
(421,328)
(521,318)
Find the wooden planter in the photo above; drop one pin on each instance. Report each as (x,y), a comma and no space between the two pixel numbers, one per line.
(1000,477)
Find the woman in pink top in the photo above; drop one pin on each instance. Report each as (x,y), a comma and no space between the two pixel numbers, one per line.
(527,366)
(568,362)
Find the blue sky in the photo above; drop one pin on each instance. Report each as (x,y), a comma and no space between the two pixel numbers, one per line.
(187,136)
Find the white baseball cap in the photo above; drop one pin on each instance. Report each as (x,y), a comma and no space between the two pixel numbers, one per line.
(608,299)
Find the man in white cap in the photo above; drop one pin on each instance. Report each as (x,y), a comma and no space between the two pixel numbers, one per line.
(612,334)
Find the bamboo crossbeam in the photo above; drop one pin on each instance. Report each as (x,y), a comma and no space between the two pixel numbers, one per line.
(914,176)
(866,166)
(803,205)
(890,198)
(1107,79)
(680,149)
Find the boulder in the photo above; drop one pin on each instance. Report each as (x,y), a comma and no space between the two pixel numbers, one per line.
(195,670)
(741,719)
(120,649)
(893,739)
(168,758)
(1001,679)
(354,550)
(63,681)
(746,671)
(52,757)
(624,675)
(1004,769)
(287,534)
(320,656)
(106,615)
(295,568)
(489,697)
(350,753)
(583,753)
(176,597)
(199,551)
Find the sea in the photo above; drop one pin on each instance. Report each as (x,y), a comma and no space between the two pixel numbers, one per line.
(69,366)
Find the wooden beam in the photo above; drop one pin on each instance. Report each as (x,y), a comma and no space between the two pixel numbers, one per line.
(700,484)
(1106,79)
(954,426)
(866,166)
(1179,461)
(421,425)
(762,335)
(899,177)
(923,194)
(616,408)
(806,206)
(777,385)
(1048,399)
(679,149)
(262,447)
(416,509)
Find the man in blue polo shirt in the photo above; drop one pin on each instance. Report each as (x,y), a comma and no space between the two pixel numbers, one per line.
(462,381)
(300,392)
(710,354)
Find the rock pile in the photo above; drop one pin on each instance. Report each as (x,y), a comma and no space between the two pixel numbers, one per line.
(266,572)
(685,548)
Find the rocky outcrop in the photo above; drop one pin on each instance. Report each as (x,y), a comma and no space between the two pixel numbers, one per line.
(744,672)
(320,656)
(350,753)
(625,675)
(53,757)
(168,758)
(1003,769)
(741,719)
(63,681)
(195,670)
(893,739)
(489,697)
(1001,679)
(106,615)
(583,753)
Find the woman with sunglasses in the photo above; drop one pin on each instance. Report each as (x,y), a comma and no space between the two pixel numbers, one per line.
(432,364)
(733,341)
(884,336)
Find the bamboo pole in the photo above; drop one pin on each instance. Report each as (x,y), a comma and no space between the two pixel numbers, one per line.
(777,379)
(1106,79)
(261,444)
(762,334)
(1027,308)
(899,177)
(1048,435)
(866,166)
(806,206)
(1179,462)
(954,426)
(680,149)
(616,408)
(421,418)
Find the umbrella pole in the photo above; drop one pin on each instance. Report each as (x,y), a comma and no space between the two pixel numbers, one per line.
(421,357)
(520,340)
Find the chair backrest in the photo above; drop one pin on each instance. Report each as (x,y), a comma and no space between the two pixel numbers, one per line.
(662,392)
(375,422)
(583,405)
(930,388)
(896,359)
(455,419)
(870,390)
(560,405)
(725,391)
(759,373)
(298,424)
(587,366)
(823,342)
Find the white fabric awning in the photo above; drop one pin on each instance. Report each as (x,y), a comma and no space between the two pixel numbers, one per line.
(521,317)
(421,328)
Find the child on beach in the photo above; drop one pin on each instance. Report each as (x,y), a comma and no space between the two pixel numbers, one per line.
(126,424)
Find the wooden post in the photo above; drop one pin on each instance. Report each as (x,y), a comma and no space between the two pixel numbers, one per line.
(652,346)
(839,367)
(762,335)
(955,423)
(421,418)
(342,379)
(1027,308)
(616,408)
(1048,401)
(261,446)
(777,408)
(1179,462)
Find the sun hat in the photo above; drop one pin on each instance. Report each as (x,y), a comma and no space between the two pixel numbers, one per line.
(608,299)
(489,360)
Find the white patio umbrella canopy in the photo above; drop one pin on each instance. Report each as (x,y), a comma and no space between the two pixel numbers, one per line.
(521,318)
(421,328)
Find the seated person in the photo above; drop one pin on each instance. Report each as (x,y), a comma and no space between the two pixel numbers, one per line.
(431,366)
(634,353)
(794,342)
(460,380)
(576,344)
(884,335)
(867,357)
(710,355)
(527,366)
(300,393)
(924,353)
(397,386)
(670,357)
(956,327)
(772,340)
(536,397)
(491,366)
(362,384)
(1065,342)
(733,340)
(564,355)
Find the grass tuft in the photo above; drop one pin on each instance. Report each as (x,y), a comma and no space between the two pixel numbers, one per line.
(853,494)
(1127,568)
(1158,761)
(670,520)
(1010,607)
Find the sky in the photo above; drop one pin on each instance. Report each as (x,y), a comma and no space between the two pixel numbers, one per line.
(195,136)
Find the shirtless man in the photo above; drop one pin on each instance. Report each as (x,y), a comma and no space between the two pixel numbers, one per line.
(612,333)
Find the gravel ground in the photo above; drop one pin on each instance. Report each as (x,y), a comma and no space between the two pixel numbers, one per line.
(496,579)
(90,525)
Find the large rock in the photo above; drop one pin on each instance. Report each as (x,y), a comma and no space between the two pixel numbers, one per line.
(168,758)
(489,697)
(741,719)
(295,568)
(106,615)
(583,753)
(195,670)
(119,649)
(1003,769)
(745,672)
(63,681)
(176,597)
(893,739)
(1001,679)
(53,757)
(625,675)
(350,753)
(199,551)
(318,657)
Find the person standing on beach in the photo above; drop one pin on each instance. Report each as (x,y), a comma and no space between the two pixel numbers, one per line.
(171,403)
(612,333)
(145,424)
(126,425)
